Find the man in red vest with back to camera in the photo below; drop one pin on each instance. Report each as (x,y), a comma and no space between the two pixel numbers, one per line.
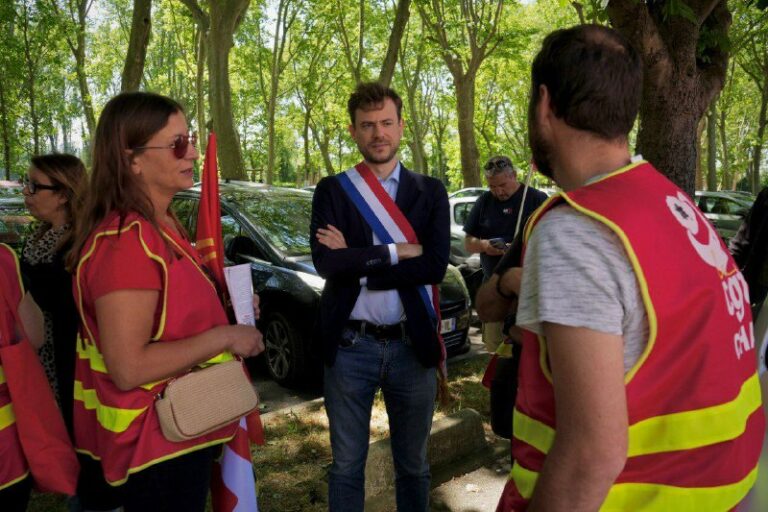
(638,387)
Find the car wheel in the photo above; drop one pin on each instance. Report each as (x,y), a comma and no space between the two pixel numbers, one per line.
(284,352)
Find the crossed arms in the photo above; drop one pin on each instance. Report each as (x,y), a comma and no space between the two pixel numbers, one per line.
(335,256)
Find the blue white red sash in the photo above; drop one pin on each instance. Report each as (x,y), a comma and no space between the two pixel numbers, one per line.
(388,223)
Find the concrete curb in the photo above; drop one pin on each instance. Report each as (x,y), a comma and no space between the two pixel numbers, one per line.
(455,438)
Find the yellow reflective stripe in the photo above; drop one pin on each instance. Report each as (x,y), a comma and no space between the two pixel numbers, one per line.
(700,427)
(536,215)
(670,432)
(150,254)
(7,418)
(532,432)
(111,418)
(16,264)
(194,263)
(648,497)
(221,358)
(504,350)
(650,310)
(14,481)
(87,350)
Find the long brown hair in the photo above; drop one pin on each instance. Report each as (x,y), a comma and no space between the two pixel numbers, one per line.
(129,120)
(68,173)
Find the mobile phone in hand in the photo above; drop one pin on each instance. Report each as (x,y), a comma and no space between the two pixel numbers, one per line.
(498,243)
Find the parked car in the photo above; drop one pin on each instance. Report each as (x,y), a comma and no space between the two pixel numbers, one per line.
(725,211)
(268,227)
(15,221)
(468,263)
(467,192)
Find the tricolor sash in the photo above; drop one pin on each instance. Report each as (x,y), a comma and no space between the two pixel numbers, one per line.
(389,224)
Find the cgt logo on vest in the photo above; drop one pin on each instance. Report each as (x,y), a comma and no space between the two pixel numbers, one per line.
(714,254)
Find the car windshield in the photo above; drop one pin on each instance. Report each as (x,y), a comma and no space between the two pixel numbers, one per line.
(283,218)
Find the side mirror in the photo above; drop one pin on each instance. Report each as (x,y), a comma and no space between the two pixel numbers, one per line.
(238,246)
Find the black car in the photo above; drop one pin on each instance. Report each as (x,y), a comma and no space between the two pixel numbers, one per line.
(268,227)
(15,221)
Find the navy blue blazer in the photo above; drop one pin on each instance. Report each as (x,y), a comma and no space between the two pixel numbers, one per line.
(424,202)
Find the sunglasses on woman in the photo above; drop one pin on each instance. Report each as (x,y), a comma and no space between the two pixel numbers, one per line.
(33,186)
(179,146)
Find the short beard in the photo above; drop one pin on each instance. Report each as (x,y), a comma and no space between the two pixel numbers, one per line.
(374,160)
(541,151)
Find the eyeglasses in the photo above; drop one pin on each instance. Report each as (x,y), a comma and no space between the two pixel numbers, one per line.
(497,164)
(33,186)
(180,145)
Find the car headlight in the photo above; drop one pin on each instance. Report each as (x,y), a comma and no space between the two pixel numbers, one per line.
(462,321)
(317,283)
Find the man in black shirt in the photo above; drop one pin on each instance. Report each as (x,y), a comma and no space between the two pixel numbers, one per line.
(495,216)
(495,213)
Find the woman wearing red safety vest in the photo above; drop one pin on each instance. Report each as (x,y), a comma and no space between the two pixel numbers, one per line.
(15,482)
(148,312)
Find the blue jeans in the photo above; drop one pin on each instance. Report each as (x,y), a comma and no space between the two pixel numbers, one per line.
(361,367)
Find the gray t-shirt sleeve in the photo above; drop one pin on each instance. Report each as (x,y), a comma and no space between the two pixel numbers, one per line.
(577,273)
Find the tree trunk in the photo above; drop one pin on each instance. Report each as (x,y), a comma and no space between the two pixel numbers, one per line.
(712,147)
(203,21)
(678,82)
(82,81)
(141,26)
(322,144)
(727,180)
(4,129)
(200,89)
(667,137)
(305,136)
(757,148)
(402,13)
(465,106)
(225,18)
(30,61)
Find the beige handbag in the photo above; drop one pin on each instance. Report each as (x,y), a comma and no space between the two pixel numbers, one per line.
(205,400)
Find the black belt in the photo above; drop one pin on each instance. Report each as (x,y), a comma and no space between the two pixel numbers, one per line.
(379,332)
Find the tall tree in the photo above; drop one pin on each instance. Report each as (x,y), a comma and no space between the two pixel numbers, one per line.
(466,35)
(315,73)
(712,147)
(77,17)
(224,18)
(203,23)
(353,51)
(402,13)
(283,51)
(141,27)
(9,63)
(685,58)
(414,58)
(753,60)
(33,47)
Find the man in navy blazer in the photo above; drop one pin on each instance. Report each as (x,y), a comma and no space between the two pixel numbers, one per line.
(375,327)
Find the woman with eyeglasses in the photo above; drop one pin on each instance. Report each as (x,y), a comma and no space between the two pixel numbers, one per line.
(53,187)
(148,311)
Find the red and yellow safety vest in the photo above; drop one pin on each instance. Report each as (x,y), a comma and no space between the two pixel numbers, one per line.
(121,428)
(696,423)
(13,465)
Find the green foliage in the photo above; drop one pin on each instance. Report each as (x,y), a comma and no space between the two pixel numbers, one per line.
(311,137)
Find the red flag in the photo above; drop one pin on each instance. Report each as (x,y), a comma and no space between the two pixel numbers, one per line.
(209,244)
(233,486)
